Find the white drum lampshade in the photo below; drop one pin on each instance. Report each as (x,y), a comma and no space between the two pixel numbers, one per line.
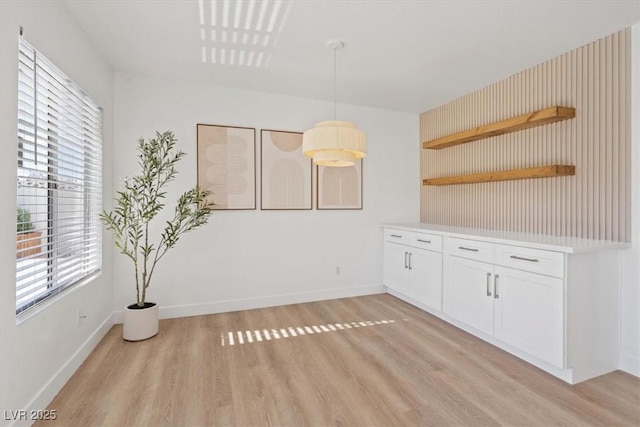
(334,143)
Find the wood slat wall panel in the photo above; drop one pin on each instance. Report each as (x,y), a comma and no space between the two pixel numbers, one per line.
(593,204)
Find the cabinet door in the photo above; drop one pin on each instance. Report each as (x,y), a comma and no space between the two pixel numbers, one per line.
(529,313)
(395,267)
(425,278)
(467,284)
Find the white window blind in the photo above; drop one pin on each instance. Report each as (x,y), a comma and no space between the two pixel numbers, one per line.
(59,235)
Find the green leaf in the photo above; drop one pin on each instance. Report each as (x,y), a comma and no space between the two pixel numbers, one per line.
(140,201)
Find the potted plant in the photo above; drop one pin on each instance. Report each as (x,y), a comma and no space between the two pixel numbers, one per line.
(137,204)
(28,241)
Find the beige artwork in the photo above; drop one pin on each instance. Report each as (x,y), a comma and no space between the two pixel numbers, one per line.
(286,172)
(226,165)
(340,187)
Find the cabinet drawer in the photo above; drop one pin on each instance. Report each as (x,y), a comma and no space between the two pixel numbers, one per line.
(533,260)
(431,242)
(397,236)
(472,249)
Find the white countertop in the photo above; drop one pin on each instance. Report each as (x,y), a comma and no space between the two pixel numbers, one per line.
(538,241)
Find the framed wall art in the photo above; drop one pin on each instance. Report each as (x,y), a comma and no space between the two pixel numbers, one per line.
(285,171)
(340,187)
(227,165)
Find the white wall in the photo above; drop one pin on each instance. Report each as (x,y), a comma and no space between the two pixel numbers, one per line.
(40,354)
(244,259)
(630,290)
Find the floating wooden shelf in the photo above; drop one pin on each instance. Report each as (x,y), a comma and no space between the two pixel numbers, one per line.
(537,118)
(508,175)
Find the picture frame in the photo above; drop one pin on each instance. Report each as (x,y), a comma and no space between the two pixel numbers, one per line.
(226,165)
(339,188)
(286,173)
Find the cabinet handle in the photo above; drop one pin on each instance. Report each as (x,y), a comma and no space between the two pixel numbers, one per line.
(410,261)
(468,249)
(405,260)
(397,236)
(524,259)
(424,241)
(495,287)
(488,284)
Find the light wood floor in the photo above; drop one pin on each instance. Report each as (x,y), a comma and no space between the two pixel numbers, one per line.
(416,370)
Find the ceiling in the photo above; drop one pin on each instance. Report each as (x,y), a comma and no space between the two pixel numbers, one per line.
(400,55)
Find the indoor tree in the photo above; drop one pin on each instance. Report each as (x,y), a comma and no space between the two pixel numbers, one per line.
(140,201)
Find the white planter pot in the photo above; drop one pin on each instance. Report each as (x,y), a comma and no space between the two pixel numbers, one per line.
(140,323)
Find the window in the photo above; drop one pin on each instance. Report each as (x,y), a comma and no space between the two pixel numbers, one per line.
(59,236)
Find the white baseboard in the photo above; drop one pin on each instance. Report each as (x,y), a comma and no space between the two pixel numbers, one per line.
(45,395)
(629,364)
(174,311)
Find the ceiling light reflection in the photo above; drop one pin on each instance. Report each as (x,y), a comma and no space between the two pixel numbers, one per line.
(214,10)
(237,14)
(263,11)
(225,13)
(242,22)
(274,15)
(201,11)
(247,22)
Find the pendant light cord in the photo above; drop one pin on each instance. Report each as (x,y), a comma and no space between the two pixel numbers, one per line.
(335,91)
(336,45)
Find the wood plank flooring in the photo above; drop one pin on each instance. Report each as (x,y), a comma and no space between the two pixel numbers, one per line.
(366,361)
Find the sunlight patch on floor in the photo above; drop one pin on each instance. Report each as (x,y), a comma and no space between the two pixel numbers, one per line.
(249,337)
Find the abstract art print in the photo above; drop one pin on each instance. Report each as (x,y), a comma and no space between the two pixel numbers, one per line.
(340,187)
(227,165)
(285,171)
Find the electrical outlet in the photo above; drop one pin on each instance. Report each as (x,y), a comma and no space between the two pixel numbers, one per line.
(81,317)
(338,271)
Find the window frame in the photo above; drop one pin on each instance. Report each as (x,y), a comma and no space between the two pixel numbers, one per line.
(61,125)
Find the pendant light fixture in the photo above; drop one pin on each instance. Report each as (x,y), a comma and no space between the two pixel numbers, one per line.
(334,143)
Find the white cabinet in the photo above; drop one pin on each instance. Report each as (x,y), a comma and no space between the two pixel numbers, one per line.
(520,308)
(412,271)
(529,313)
(468,292)
(471,249)
(395,270)
(552,301)
(425,279)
